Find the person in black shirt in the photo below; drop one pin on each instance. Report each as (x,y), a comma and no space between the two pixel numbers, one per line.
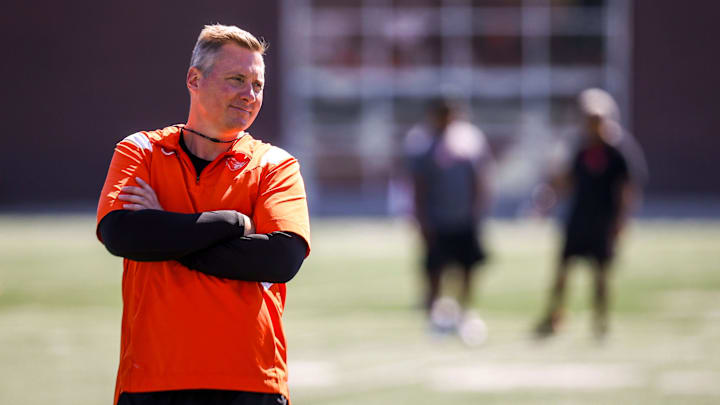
(601,190)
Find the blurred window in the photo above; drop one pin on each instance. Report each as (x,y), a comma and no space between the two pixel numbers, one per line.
(564,111)
(405,4)
(426,51)
(498,50)
(369,67)
(337,51)
(494,111)
(583,3)
(576,50)
(497,3)
(335,111)
(320,4)
(577,21)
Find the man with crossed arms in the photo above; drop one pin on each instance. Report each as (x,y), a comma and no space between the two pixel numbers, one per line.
(211,224)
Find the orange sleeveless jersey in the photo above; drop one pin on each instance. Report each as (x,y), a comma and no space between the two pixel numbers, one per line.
(182,329)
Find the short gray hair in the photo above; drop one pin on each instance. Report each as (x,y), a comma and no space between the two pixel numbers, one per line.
(212,37)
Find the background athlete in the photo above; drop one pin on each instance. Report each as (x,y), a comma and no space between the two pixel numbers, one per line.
(449,162)
(602,183)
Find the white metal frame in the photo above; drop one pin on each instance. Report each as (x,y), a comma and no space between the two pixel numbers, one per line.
(535,82)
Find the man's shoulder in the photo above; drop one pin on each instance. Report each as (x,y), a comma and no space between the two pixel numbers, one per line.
(263,154)
(145,139)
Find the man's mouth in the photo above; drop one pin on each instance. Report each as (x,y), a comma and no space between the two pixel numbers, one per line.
(240,108)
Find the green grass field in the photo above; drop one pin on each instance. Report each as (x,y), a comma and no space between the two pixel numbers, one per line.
(355,336)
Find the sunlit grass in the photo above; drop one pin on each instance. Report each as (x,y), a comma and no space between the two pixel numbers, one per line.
(355,335)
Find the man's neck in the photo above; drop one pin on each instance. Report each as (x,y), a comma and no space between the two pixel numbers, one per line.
(202,147)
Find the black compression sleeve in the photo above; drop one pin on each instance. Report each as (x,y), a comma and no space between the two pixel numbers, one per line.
(153,235)
(275,258)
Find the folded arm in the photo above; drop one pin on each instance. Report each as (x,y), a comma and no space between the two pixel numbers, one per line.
(154,235)
(210,242)
(218,243)
(274,257)
(144,231)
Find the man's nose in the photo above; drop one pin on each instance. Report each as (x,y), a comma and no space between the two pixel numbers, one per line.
(249,95)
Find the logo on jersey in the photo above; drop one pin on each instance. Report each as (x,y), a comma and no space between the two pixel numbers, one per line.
(234,164)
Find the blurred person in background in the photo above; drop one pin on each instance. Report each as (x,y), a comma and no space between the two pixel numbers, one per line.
(449,161)
(602,183)
(211,224)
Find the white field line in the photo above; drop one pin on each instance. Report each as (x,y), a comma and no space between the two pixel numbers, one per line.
(690,382)
(312,374)
(485,378)
(564,376)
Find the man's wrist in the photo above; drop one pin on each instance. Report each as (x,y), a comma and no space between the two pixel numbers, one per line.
(246,222)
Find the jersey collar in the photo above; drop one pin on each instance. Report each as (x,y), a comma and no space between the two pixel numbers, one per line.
(169,139)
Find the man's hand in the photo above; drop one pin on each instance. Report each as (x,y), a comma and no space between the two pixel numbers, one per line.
(140,198)
(248,225)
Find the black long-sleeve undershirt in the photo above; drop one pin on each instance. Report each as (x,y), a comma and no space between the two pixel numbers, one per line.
(153,235)
(274,257)
(210,242)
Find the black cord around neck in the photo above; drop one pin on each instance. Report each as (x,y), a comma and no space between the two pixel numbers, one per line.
(207,137)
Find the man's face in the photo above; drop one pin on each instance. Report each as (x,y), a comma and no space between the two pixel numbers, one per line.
(228,97)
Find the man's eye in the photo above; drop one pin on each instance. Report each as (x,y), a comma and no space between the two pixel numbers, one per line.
(258,85)
(240,79)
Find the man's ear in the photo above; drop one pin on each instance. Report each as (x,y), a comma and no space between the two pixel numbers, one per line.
(193,79)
